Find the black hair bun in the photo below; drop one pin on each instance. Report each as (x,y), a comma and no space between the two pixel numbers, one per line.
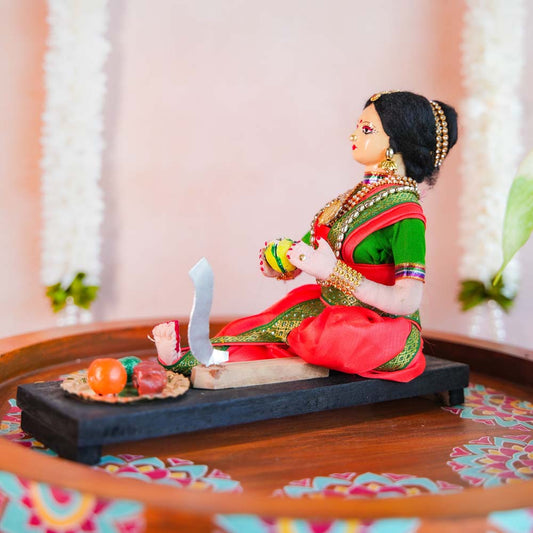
(409,122)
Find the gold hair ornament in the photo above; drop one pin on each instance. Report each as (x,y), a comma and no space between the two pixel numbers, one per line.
(441,127)
(377,96)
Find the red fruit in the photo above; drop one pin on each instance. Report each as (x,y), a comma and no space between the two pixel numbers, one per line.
(149,377)
(106,376)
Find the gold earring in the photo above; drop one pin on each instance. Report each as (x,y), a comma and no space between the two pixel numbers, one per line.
(389,165)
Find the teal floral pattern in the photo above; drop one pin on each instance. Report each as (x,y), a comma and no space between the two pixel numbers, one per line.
(494,461)
(494,408)
(368,485)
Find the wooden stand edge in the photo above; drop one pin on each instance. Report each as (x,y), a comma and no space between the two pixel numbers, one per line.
(250,373)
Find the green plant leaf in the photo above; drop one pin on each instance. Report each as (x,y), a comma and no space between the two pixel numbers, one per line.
(474,292)
(83,295)
(76,287)
(58,296)
(504,302)
(86,296)
(51,288)
(518,222)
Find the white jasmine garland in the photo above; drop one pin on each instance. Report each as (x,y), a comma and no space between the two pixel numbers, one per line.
(493,61)
(72,141)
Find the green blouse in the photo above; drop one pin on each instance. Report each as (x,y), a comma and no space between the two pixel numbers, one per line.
(402,244)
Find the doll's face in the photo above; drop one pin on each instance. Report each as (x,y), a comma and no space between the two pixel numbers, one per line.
(370,140)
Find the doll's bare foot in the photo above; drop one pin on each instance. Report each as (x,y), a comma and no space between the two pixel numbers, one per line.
(167,342)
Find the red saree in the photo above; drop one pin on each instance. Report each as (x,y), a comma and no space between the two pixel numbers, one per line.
(326,327)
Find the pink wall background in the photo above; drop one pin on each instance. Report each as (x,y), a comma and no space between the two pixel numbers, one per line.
(227,125)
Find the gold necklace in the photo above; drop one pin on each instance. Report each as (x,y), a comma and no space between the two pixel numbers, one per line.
(345,202)
(331,210)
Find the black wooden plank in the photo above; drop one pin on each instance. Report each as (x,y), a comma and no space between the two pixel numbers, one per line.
(89,424)
(58,442)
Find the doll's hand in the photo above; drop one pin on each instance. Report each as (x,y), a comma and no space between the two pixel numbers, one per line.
(269,272)
(266,269)
(318,262)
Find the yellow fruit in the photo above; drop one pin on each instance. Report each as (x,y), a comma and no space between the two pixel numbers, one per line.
(276,255)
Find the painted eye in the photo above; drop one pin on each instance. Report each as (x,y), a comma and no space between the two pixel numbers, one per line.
(367,130)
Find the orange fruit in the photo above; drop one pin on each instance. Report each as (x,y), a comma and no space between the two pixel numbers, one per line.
(106,376)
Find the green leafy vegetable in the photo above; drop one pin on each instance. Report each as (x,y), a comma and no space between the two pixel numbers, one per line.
(518,222)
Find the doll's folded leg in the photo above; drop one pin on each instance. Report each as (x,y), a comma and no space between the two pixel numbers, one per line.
(257,352)
(355,340)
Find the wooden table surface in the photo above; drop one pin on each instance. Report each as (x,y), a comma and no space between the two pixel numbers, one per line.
(315,464)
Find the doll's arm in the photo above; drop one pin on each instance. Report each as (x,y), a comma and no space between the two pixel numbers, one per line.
(402,298)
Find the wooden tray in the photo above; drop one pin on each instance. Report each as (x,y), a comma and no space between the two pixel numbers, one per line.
(410,436)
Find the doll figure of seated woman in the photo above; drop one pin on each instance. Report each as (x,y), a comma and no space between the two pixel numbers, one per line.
(365,253)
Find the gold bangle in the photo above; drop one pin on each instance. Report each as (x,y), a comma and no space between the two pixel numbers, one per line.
(344,278)
(288,275)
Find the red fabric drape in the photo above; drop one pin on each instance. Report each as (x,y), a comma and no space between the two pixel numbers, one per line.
(355,340)
(350,339)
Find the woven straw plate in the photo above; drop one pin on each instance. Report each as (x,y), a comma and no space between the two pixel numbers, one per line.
(76,384)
